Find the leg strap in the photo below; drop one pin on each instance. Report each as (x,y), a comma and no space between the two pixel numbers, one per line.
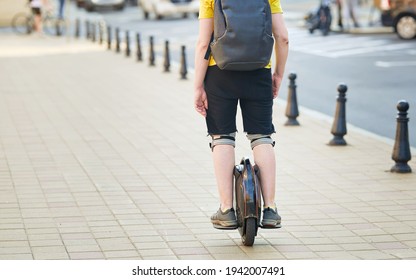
(259,139)
(223,139)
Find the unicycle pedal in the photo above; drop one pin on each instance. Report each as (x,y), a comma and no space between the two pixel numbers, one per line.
(247,200)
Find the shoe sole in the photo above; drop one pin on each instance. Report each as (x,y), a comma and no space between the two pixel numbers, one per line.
(224,225)
(271,224)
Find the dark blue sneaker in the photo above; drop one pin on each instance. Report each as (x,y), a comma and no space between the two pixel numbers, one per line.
(224,220)
(271,218)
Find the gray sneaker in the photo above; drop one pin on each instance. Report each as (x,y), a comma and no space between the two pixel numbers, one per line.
(224,220)
(271,218)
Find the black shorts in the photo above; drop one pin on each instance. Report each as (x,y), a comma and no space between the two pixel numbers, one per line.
(254,91)
(36,11)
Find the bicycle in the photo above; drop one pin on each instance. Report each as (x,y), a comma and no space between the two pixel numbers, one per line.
(248,200)
(23,23)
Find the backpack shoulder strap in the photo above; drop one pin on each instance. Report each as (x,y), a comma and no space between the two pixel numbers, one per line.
(208,52)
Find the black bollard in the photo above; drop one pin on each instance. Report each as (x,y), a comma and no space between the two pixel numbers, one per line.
(401,151)
(77,28)
(117,39)
(29,29)
(183,70)
(139,48)
(87,29)
(339,127)
(127,44)
(166,63)
(152,52)
(292,111)
(100,33)
(109,37)
(93,32)
(58,31)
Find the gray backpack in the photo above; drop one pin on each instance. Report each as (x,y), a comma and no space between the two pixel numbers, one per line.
(242,38)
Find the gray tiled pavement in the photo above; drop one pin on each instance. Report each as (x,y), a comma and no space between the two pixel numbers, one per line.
(102,157)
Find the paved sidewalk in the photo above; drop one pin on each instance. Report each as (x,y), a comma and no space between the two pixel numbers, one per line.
(102,157)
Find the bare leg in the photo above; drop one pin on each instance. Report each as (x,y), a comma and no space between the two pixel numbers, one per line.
(339,8)
(38,23)
(224,162)
(265,159)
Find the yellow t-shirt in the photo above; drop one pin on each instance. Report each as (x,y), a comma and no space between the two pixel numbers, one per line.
(206,10)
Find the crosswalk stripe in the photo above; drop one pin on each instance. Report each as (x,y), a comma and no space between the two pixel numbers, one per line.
(386,64)
(370,49)
(341,45)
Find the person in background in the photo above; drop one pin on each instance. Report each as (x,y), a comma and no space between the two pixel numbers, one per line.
(349,8)
(61,9)
(37,6)
(339,12)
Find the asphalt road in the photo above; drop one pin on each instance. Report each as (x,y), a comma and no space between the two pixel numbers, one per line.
(373,90)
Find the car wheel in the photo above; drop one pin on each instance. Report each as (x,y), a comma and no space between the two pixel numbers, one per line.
(406,27)
(119,7)
(89,6)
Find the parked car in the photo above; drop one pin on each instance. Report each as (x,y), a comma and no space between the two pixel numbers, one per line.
(401,15)
(164,8)
(91,5)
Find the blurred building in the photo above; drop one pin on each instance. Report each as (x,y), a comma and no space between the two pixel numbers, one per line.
(8,8)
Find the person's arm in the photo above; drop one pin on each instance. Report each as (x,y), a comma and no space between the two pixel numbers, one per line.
(201,64)
(281,49)
(46,5)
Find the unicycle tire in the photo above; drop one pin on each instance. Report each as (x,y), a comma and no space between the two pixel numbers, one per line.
(248,201)
(250,232)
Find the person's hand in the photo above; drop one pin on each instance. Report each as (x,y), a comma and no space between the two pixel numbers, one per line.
(200,101)
(276,82)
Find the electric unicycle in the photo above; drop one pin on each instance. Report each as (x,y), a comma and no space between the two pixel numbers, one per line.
(247,200)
